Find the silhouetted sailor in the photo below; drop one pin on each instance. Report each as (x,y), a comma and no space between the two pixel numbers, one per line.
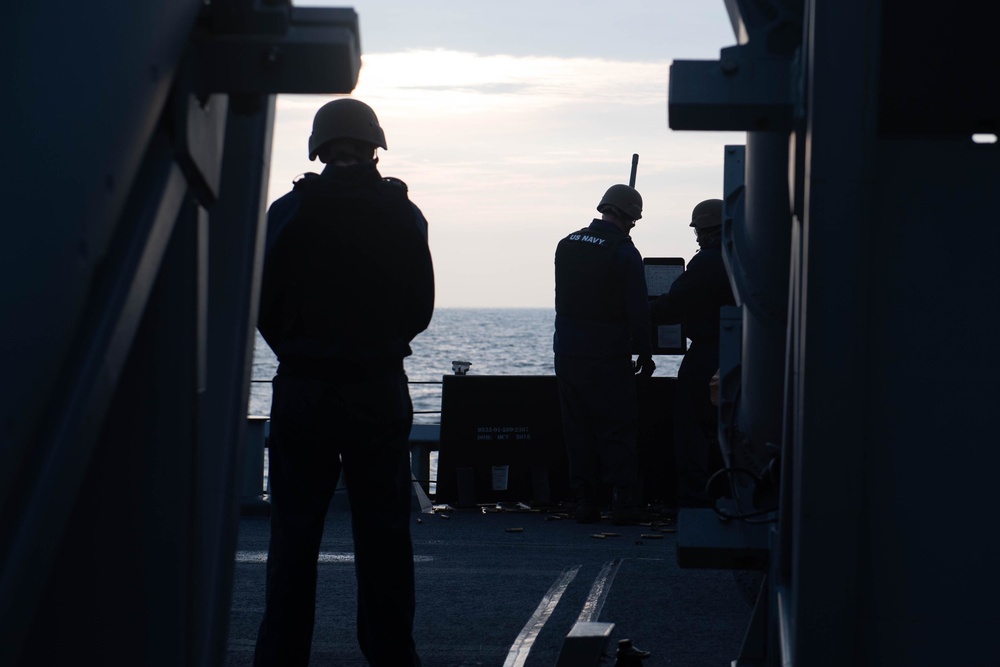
(694,301)
(348,283)
(602,314)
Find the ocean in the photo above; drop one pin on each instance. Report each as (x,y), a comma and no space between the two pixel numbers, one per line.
(495,341)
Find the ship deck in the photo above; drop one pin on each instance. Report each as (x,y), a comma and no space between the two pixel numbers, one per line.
(504,588)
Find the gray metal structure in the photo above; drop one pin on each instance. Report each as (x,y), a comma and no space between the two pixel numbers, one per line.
(136,161)
(862,241)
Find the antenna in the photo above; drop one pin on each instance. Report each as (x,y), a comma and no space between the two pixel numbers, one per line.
(635,165)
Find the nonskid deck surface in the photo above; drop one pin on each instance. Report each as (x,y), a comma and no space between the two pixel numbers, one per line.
(502,589)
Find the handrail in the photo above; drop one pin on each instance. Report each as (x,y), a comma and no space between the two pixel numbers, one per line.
(420,453)
(416,412)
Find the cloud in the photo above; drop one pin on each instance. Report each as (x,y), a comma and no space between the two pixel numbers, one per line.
(483,88)
(453,82)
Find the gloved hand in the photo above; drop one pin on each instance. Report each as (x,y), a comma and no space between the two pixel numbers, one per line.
(644,366)
(713,388)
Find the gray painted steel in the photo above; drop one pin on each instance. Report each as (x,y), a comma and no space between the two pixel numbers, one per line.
(885,227)
(130,273)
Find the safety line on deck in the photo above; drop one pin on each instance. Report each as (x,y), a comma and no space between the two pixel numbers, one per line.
(324,557)
(521,647)
(599,592)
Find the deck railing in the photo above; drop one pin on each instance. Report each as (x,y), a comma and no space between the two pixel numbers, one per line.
(411,382)
(424,439)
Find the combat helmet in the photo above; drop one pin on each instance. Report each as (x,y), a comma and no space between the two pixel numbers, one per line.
(707,214)
(345,118)
(624,198)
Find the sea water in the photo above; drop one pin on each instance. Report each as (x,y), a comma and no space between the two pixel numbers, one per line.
(494,341)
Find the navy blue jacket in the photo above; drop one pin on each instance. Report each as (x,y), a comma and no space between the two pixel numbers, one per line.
(602,306)
(348,277)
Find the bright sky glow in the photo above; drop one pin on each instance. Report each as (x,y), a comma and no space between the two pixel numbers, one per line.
(507,151)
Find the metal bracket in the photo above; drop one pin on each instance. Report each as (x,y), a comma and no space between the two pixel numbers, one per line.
(305,55)
(201,127)
(705,541)
(736,92)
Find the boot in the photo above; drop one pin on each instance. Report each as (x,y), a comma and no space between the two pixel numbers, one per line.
(586,505)
(624,506)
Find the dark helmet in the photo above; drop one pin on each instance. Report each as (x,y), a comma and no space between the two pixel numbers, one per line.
(623,198)
(345,118)
(707,214)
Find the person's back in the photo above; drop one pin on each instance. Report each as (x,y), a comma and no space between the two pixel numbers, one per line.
(354,252)
(591,315)
(602,313)
(348,282)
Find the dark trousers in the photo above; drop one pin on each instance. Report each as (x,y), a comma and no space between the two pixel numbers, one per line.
(317,427)
(695,423)
(600,418)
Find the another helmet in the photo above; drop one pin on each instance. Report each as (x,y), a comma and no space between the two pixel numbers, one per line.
(345,118)
(625,199)
(707,214)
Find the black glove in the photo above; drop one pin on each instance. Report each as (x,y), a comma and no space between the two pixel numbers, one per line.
(644,366)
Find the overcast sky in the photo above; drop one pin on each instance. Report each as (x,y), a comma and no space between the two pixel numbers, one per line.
(508,121)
